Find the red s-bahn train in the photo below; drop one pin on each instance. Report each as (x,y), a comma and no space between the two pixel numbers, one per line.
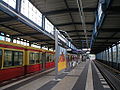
(17,60)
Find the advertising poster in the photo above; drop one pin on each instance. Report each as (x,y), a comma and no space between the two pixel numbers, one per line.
(62,59)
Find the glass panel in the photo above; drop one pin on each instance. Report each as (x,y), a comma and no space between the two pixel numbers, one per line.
(0,58)
(34,58)
(2,38)
(8,58)
(24,7)
(31,59)
(114,54)
(37,58)
(103,53)
(52,58)
(107,55)
(14,41)
(22,42)
(110,59)
(40,57)
(18,41)
(20,58)
(31,12)
(47,57)
(44,56)
(38,18)
(12,3)
(119,53)
(48,26)
(16,58)
(27,44)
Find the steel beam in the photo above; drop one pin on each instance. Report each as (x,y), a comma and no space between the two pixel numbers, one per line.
(26,34)
(44,40)
(80,35)
(113,10)
(74,31)
(23,34)
(11,28)
(72,23)
(108,38)
(47,44)
(23,19)
(7,19)
(110,30)
(70,10)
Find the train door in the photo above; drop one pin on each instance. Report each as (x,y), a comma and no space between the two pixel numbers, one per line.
(43,58)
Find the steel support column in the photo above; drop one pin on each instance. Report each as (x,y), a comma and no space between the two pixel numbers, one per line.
(117,56)
(41,46)
(18,6)
(11,39)
(56,54)
(43,22)
(112,56)
(106,56)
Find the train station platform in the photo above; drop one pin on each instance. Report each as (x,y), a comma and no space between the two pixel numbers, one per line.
(38,35)
(85,76)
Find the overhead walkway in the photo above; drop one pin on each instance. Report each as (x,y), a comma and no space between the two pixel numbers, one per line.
(85,76)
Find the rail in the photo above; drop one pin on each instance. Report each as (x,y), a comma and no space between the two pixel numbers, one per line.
(112,80)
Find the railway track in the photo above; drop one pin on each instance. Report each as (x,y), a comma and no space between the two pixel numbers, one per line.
(110,76)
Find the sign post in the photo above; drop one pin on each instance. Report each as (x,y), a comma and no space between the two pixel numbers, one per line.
(56,55)
(60,54)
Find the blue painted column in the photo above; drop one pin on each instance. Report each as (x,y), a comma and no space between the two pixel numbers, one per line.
(43,22)
(18,5)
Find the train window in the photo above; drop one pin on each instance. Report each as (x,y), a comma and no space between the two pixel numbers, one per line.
(34,58)
(17,58)
(48,57)
(43,58)
(31,58)
(8,58)
(0,58)
(13,58)
(52,57)
(20,58)
(40,58)
(37,58)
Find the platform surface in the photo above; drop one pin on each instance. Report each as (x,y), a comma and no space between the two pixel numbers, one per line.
(85,76)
